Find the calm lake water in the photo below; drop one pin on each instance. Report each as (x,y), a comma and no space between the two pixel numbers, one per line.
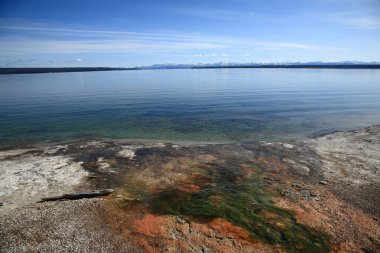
(212,105)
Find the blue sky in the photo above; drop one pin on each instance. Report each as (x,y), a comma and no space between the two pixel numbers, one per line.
(133,33)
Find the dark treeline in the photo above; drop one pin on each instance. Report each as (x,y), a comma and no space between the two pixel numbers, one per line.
(4,71)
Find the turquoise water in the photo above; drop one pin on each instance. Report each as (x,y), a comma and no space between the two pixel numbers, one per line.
(212,105)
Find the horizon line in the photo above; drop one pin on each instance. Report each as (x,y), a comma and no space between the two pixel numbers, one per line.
(310,65)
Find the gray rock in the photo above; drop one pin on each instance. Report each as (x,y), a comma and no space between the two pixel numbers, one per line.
(205,250)
(180,220)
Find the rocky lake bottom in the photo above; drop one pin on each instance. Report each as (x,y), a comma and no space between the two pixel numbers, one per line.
(310,195)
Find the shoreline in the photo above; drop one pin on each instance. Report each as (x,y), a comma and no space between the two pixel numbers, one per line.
(329,183)
(45,143)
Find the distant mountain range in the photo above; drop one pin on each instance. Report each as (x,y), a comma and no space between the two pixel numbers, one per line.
(314,64)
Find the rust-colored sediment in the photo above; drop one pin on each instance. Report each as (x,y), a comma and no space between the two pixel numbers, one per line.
(351,229)
(189,188)
(166,233)
(272,162)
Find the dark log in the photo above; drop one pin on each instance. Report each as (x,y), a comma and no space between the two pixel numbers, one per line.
(78,195)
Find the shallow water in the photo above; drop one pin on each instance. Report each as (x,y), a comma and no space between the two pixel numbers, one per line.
(220,105)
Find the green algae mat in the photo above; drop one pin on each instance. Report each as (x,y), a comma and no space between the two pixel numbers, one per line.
(232,190)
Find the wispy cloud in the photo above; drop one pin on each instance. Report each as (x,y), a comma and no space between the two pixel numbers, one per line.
(354,20)
(355,1)
(220,14)
(15,45)
(280,45)
(84,31)
(43,39)
(40,62)
(78,60)
(210,55)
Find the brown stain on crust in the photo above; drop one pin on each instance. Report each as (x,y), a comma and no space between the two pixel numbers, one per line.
(351,229)
(272,162)
(189,188)
(165,233)
(230,230)
(136,225)
(150,225)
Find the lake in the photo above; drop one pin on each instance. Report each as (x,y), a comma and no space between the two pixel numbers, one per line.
(191,105)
